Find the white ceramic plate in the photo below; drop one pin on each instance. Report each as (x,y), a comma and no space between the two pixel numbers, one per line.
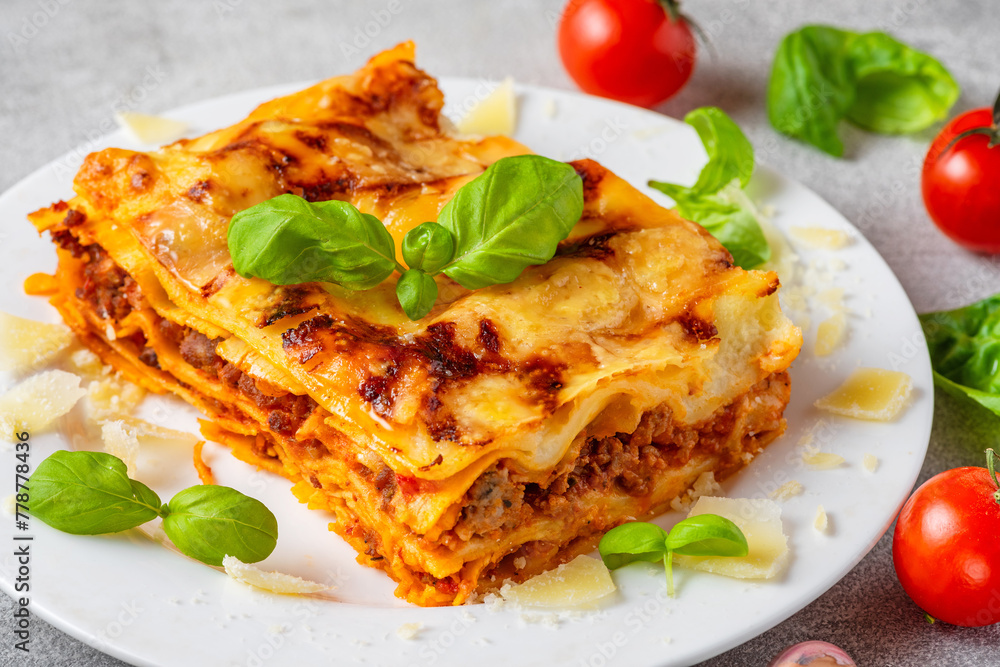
(149,605)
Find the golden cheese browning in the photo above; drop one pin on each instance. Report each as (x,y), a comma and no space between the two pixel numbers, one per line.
(514,422)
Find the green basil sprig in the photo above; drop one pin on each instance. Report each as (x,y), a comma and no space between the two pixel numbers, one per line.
(701,535)
(90,493)
(822,75)
(717,201)
(511,216)
(964,346)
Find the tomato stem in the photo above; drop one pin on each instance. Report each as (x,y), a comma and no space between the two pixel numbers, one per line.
(993,131)
(991,467)
(672,8)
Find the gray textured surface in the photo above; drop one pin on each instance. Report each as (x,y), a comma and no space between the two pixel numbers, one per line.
(61,83)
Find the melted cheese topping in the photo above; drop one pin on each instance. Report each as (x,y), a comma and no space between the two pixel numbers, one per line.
(639,308)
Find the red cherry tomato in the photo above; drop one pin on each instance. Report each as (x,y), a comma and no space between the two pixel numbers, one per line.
(946,547)
(629,50)
(961,185)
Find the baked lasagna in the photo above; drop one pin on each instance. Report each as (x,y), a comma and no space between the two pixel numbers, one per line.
(500,435)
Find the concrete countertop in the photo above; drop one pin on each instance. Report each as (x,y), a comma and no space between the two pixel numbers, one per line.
(66,64)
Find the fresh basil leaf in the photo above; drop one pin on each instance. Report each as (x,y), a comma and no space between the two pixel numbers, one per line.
(428,247)
(899,89)
(89,493)
(287,241)
(630,542)
(821,75)
(730,154)
(729,216)
(511,216)
(210,522)
(811,86)
(707,535)
(964,346)
(417,293)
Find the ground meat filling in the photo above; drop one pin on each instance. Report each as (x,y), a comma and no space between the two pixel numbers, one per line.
(114,294)
(628,462)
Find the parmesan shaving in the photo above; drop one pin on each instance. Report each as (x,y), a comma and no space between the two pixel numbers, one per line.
(873,394)
(274,582)
(149,129)
(112,397)
(26,344)
(760,521)
(830,334)
(582,582)
(870,463)
(494,114)
(38,401)
(120,441)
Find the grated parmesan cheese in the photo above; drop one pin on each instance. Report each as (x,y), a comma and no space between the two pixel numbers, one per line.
(870,463)
(830,334)
(112,397)
(705,485)
(274,582)
(26,344)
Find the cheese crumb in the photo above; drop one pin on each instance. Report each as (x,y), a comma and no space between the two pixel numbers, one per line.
(818,237)
(38,401)
(821,522)
(494,114)
(582,582)
(520,562)
(27,344)
(870,463)
(786,491)
(112,397)
(149,129)
(9,505)
(409,631)
(274,582)
(873,394)
(84,362)
(705,485)
(822,460)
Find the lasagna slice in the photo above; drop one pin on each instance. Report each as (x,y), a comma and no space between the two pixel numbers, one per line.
(491,440)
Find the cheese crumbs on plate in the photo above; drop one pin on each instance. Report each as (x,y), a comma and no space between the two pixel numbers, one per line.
(274,582)
(409,631)
(874,394)
(787,490)
(870,463)
(822,460)
(818,237)
(821,521)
